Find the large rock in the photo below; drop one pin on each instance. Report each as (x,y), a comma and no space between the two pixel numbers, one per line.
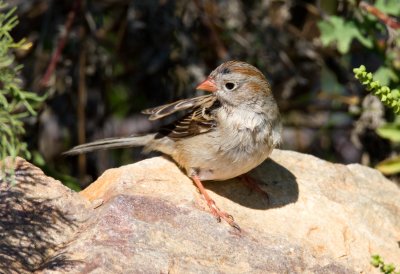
(148,218)
(38,216)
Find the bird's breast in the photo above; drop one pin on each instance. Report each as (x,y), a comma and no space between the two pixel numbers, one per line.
(244,131)
(242,145)
(240,142)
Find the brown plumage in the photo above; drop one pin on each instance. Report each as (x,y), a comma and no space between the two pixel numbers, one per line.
(222,135)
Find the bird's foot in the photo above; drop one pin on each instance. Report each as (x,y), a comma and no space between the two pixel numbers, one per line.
(218,213)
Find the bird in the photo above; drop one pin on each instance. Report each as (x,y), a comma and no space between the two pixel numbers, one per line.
(220,135)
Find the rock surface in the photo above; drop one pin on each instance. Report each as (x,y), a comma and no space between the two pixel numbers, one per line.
(148,218)
(38,216)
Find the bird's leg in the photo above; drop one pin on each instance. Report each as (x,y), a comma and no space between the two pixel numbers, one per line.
(253,185)
(211,204)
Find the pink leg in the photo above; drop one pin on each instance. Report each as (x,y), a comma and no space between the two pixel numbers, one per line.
(253,185)
(213,207)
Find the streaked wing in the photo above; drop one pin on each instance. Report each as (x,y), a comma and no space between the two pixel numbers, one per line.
(165,110)
(198,121)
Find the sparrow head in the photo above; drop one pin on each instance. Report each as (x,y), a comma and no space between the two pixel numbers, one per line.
(237,83)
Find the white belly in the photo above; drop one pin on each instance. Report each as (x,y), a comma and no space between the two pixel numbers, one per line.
(232,149)
(224,168)
(222,159)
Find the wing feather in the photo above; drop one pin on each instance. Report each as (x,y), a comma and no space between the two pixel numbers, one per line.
(184,104)
(198,121)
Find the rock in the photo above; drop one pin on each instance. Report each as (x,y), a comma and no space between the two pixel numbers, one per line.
(148,218)
(38,216)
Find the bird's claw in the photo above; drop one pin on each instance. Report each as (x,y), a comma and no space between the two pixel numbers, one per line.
(219,214)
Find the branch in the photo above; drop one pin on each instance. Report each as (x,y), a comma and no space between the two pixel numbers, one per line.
(61,44)
(387,20)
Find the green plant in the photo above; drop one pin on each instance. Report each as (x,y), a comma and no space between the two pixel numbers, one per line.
(372,28)
(340,32)
(391,131)
(390,98)
(362,22)
(15,104)
(377,262)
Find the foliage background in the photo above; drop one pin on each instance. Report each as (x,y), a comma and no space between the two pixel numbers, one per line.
(118,57)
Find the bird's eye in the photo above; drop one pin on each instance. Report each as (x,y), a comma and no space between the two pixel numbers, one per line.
(230,86)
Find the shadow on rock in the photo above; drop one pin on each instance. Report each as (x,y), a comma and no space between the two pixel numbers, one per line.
(272,177)
(30,226)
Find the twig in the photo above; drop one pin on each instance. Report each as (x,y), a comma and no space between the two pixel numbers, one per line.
(387,20)
(82,102)
(57,53)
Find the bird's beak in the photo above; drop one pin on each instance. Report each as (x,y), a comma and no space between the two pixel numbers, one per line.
(207,85)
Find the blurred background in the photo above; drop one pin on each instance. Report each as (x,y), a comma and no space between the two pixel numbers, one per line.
(101,62)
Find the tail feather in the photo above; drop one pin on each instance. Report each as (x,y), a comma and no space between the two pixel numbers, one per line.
(111,143)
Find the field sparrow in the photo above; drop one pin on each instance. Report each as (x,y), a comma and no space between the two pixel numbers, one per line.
(223,135)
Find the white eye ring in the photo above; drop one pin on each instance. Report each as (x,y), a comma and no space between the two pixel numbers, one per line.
(230,85)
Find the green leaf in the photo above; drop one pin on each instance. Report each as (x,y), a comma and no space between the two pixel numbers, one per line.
(3,101)
(389,166)
(6,130)
(38,159)
(391,7)
(6,61)
(337,31)
(15,104)
(390,131)
(376,260)
(388,268)
(384,75)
